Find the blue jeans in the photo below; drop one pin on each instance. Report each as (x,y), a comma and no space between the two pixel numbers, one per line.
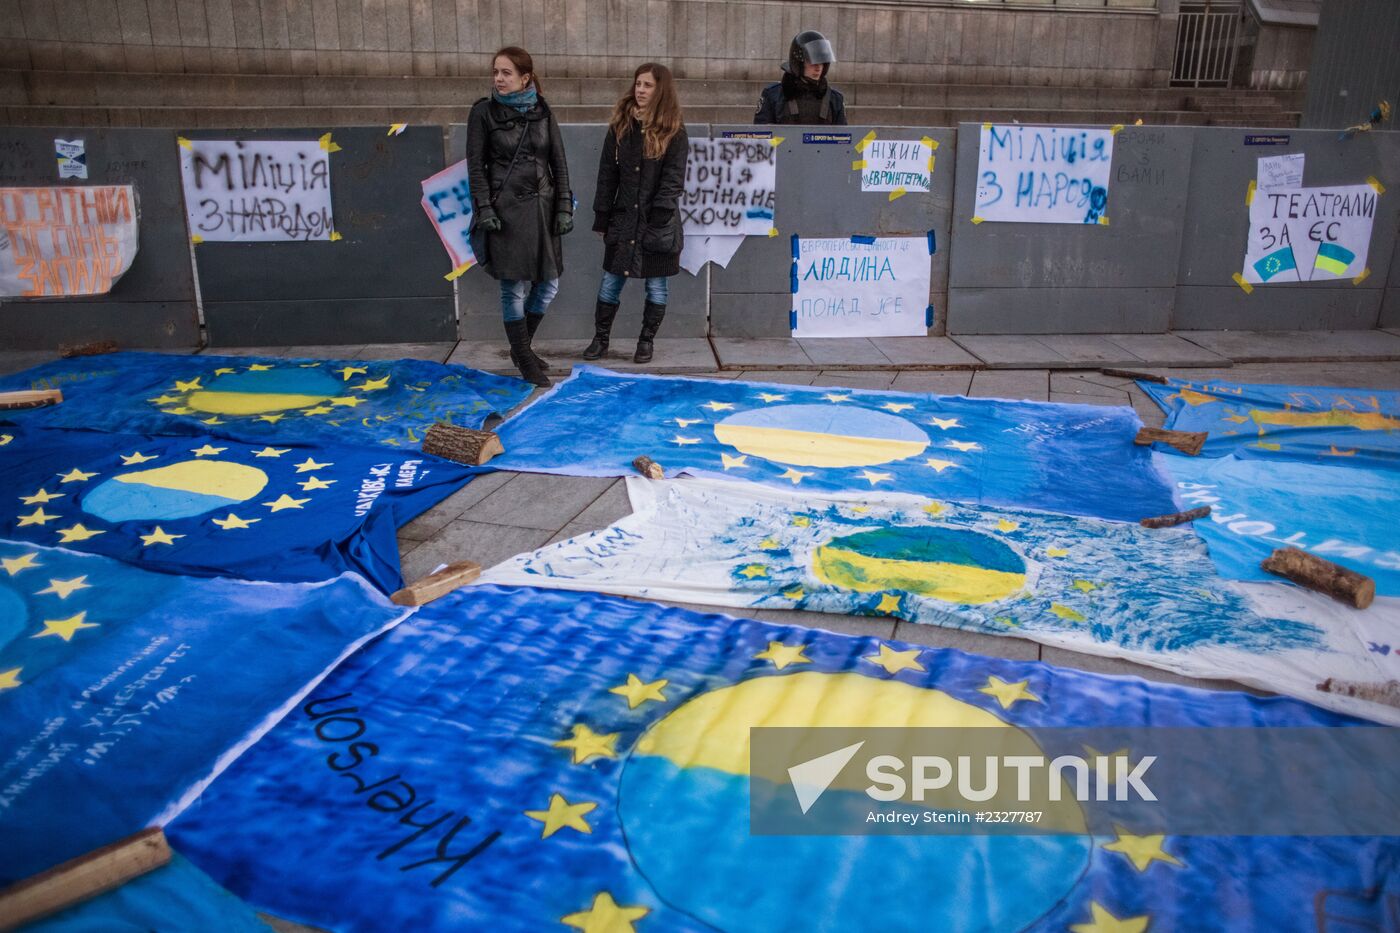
(519,297)
(610,289)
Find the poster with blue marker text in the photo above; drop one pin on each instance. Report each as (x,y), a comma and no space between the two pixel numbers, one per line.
(1043,174)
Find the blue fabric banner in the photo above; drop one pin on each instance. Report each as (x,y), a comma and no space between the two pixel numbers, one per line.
(201,506)
(265,399)
(177,896)
(517,759)
(1351,427)
(122,691)
(1347,515)
(1065,458)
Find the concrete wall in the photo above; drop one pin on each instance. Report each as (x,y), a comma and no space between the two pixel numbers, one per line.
(1355,62)
(1178,231)
(1106,43)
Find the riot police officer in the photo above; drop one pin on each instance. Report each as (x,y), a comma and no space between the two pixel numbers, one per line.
(803,96)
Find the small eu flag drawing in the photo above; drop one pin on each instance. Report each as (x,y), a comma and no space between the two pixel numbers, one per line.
(1333,258)
(1280,260)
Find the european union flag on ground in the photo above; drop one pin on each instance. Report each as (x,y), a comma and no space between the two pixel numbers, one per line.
(366,402)
(207,507)
(1280,260)
(122,690)
(1333,258)
(518,759)
(1348,427)
(1066,458)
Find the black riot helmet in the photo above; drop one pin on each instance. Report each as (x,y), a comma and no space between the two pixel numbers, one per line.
(809,46)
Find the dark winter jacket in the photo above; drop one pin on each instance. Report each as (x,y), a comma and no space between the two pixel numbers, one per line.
(637,208)
(794,100)
(526,198)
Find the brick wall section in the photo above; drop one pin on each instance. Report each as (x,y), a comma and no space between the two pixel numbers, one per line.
(1080,43)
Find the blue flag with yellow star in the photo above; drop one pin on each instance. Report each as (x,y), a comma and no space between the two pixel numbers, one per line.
(201,506)
(365,402)
(122,691)
(1350,427)
(520,759)
(1067,458)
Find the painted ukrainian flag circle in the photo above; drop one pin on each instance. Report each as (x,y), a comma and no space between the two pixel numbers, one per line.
(955,565)
(179,490)
(688,779)
(253,393)
(822,435)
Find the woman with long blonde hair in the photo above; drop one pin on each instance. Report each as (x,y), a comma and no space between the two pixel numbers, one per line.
(641,177)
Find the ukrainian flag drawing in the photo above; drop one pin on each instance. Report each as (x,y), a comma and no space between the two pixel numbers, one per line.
(1280,260)
(1333,258)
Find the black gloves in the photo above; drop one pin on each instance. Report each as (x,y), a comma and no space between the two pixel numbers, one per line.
(563,223)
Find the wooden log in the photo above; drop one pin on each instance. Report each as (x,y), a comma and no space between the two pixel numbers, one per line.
(1176,518)
(30,398)
(1188,442)
(453,576)
(1316,573)
(464,445)
(1387,692)
(648,468)
(91,348)
(83,877)
(1133,374)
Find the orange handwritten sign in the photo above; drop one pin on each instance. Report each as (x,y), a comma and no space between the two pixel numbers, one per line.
(65,241)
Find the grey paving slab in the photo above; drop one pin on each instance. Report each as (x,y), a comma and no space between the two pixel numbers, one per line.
(612,503)
(1010,351)
(1091,349)
(1033,384)
(730,374)
(846,625)
(325,352)
(406,546)
(243,351)
(571,530)
(1392,330)
(925,353)
(1098,664)
(761,353)
(997,646)
(1085,398)
(1166,350)
(672,355)
(1147,410)
(844,353)
(538,500)
(487,544)
(1072,378)
(433,352)
(14,361)
(789,377)
(955,382)
(855,379)
(1244,346)
(430,522)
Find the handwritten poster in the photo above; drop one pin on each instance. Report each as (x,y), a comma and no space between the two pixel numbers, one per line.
(730,187)
(75,240)
(257,191)
(860,287)
(72,158)
(1285,171)
(896,165)
(1309,234)
(447,199)
(1043,174)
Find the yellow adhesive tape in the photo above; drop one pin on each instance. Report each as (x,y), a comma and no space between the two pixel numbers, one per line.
(184,143)
(776,140)
(930,142)
(335,235)
(1103,221)
(987,126)
(396,128)
(1115,128)
(773,232)
(1249,194)
(1362,277)
(1375,182)
(858,164)
(327,145)
(1239,280)
(196,239)
(457,272)
(977,220)
(865,141)
(898,193)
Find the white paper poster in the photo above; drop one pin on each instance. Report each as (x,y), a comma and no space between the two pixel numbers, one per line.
(72,158)
(1043,174)
(1284,171)
(258,191)
(1309,234)
(860,287)
(74,240)
(896,165)
(730,187)
(447,200)
(718,248)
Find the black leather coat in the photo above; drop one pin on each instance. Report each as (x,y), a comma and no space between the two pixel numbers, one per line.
(526,198)
(637,207)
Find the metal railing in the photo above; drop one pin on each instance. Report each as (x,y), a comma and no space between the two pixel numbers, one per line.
(1207,39)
